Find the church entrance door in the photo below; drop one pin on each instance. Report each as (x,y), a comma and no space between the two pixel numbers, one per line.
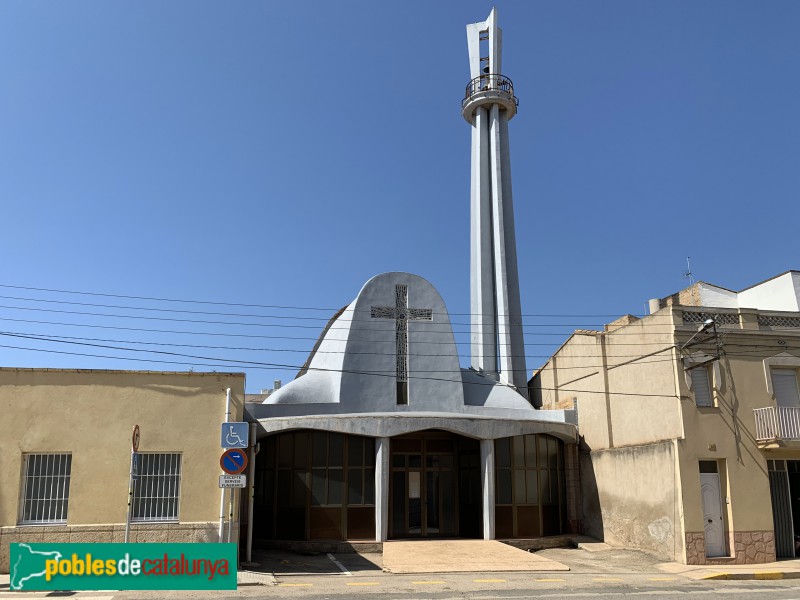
(428,471)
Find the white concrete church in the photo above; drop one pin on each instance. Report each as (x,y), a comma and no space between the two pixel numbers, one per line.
(382,434)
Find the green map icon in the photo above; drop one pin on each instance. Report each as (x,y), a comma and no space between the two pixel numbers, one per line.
(27,565)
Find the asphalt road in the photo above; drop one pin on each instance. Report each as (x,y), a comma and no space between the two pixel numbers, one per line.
(606,575)
(491,586)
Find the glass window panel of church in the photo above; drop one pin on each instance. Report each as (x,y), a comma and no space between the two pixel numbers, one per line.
(502,465)
(527,470)
(343,470)
(292,468)
(327,475)
(360,471)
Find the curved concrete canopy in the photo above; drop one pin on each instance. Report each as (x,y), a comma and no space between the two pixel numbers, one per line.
(392,424)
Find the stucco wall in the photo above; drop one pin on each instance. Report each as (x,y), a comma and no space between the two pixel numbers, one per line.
(630,498)
(650,400)
(727,432)
(91,414)
(623,383)
(779,293)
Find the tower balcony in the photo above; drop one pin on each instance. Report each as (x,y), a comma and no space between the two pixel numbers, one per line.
(491,88)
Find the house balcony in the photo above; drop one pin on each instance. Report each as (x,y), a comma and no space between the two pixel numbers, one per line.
(778,427)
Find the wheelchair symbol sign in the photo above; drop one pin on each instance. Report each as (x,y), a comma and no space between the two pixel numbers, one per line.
(235,435)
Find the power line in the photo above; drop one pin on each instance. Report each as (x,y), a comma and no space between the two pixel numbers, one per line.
(217,303)
(277,337)
(293,350)
(445,331)
(249,315)
(215,358)
(86,342)
(268,365)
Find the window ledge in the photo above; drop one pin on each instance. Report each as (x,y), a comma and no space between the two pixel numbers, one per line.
(156,522)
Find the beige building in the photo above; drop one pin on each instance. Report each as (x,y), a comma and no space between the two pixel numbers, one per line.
(690,423)
(65,455)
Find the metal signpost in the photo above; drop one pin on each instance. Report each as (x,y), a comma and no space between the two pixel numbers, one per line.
(234,436)
(133,474)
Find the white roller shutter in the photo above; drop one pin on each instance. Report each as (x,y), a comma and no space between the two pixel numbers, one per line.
(784,384)
(701,387)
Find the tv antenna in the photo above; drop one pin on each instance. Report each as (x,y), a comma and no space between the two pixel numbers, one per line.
(688,273)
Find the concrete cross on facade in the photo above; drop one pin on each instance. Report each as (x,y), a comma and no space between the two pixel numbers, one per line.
(401,314)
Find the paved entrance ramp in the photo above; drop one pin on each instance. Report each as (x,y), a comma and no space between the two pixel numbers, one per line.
(456,556)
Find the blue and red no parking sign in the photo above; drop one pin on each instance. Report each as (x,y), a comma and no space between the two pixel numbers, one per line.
(233,461)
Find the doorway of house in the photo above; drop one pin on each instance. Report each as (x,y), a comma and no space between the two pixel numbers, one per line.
(434,487)
(784,483)
(712,508)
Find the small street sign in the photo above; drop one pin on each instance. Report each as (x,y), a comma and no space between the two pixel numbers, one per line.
(135,465)
(233,461)
(232,481)
(235,435)
(135,439)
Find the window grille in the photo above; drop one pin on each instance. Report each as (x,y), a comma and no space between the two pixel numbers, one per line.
(156,489)
(702,317)
(776,321)
(46,488)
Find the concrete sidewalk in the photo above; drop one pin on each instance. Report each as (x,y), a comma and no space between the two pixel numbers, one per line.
(461,556)
(244,578)
(784,569)
(598,557)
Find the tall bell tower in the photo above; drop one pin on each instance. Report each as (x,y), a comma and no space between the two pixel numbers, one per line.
(498,346)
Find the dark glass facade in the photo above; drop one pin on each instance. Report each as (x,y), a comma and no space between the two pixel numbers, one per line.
(529,479)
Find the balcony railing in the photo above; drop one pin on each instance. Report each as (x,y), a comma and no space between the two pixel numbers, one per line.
(491,82)
(777,423)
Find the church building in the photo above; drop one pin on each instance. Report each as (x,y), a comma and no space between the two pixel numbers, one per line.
(383,434)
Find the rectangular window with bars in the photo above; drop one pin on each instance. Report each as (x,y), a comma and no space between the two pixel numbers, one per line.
(46,488)
(157,487)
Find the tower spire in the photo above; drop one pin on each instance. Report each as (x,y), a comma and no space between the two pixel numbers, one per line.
(498,347)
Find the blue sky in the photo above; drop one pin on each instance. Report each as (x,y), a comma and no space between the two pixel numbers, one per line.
(283,153)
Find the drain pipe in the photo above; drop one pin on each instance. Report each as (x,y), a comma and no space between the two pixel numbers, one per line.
(222,491)
(251,490)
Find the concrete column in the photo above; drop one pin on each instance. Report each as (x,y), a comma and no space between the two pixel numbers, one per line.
(484,338)
(519,369)
(381,489)
(487,488)
(748,318)
(511,350)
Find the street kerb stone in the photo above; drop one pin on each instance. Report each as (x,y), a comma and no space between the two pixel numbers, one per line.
(459,556)
(254,578)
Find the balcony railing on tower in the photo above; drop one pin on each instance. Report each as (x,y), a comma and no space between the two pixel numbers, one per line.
(777,423)
(491,82)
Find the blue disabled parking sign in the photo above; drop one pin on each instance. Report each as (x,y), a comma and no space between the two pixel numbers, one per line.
(235,435)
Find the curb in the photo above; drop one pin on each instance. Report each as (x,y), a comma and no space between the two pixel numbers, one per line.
(763,575)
